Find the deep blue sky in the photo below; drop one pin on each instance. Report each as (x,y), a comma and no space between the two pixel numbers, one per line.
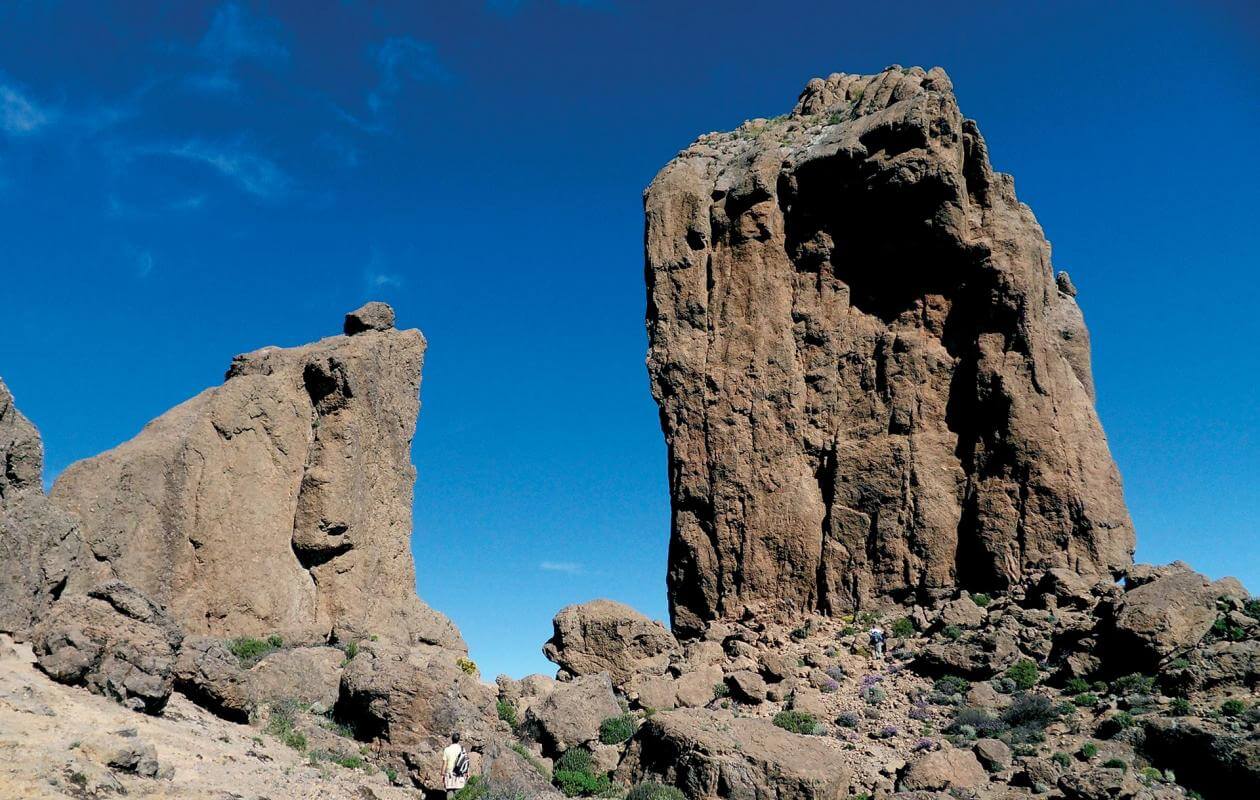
(181,183)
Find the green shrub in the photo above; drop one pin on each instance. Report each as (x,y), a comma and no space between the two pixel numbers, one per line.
(1062,759)
(952,684)
(802,633)
(475,789)
(524,753)
(721,690)
(651,790)
(349,762)
(795,721)
(1115,763)
(1085,700)
(507,713)
(1076,686)
(467,665)
(1180,707)
(1224,629)
(1133,684)
(903,628)
(1088,751)
(391,775)
(581,784)
(575,759)
(281,723)
(1113,725)
(1152,775)
(1233,708)
(618,729)
(1252,608)
(1028,715)
(1024,673)
(1178,664)
(976,722)
(981,599)
(249,651)
(952,632)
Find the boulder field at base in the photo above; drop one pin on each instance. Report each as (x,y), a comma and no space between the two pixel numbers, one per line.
(879,406)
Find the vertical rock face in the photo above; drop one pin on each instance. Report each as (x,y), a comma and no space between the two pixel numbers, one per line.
(39,543)
(869,379)
(279,501)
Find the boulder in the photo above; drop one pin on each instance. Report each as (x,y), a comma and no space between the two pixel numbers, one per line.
(125,752)
(1066,588)
(571,714)
(1160,617)
(605,636)
(993,754)
(40,545)
(1097,783)
(962,612)
(507,773)
(277,502)
(115,641)
(409,700)
(210,675)
(373,316)
(1216,761)
(707,754)
(947,768)
(747,686)
(695,688)
(868,378)
(309,675)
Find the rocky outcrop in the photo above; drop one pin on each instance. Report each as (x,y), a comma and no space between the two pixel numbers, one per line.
(869,379)
(1163,616)
(212,676)
(39,543)
(278,502)
(606,636)
(408,700)
(115,641)
(707,755)
(570,715)
(948,768)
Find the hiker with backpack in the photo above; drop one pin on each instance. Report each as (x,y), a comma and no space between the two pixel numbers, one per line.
(877,642)
(454,767)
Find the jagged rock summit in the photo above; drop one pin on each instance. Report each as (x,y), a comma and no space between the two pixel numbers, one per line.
(870,381)
(277,502)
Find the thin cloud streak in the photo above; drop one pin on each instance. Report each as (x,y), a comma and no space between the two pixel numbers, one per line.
(253,173)
(19,115)
(400,60)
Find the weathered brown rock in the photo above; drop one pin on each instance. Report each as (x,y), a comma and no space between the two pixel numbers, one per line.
(869,380)
(709,755)
(115,641)
(1161,617)
(571,714)
(39,543)
(948,768)
(410,699)
(279,501)
(606,636)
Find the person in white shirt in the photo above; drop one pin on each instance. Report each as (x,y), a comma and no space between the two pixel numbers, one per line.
(451,757)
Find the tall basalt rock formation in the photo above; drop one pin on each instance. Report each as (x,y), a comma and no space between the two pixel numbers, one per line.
(278,502)
(870,381)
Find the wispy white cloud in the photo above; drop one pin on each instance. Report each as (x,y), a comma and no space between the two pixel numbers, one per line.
(19,115)
(253,173)
(144,264)
(399,60)
(567,567)
(236,35)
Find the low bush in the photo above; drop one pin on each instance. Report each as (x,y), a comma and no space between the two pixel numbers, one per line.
(829,686)
(249,651)
(847,719)
(873,695)
(524,753)
(281,721)
(574,777)
(1113,725)
(475,789)
(618,729)
(1180,707)
(1003,685)
(1030,710)
(721,690)
(981,722)
(802,633)
(796,721)
(1085,700)
(1076,686)
(1062,759)
(467,665)
(981,599)
(952,684)
(651,790)
(575,759)
(836,674)
(1088,751)
(903,628)
(1133,684)
(507,713)
(1252,608)
(1224,630)
(1024,673)
(888,732)
(1233,708)
(952,632)
(1115,763)
(275,640)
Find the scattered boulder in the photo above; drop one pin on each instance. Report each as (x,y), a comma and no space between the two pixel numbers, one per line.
(1214,760)
(708,755)
(947,768)
(962,612)
(210,675)
(611,637)
(309,675)
(747,686)
(993,754)
(125,752)
(115,641)
(571,714)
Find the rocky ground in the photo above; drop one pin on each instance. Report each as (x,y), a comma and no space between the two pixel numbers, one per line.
(58,741)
